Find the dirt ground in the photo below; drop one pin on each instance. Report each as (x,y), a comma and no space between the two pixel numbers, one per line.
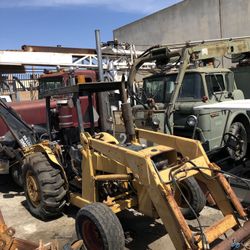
(141,232)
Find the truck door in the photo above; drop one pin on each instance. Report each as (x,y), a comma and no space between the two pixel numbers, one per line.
(217,92)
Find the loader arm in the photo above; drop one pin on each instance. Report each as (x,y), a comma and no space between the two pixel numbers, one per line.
(157,185)
(21,131)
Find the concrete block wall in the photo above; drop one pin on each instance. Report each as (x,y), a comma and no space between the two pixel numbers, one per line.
(189,20)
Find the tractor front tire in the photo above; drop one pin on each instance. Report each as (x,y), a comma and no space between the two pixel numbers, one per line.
(43,186)
(99,228)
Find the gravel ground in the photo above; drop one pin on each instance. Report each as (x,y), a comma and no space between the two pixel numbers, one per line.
(141,232)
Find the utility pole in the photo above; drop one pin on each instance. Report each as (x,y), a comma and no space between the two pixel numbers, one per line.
(103,97)
(221,28)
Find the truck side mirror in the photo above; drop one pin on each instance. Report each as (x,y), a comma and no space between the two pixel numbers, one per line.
(230,82)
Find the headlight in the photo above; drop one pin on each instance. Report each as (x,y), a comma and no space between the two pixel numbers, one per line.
(191,120)
(156,121)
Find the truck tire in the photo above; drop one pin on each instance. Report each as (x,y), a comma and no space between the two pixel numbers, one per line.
(43,186)
(99,228)
(16,175)
(238,132)
(193,194)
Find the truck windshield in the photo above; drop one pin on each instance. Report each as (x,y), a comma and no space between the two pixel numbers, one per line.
(49,83)
(154,88)
(161,88)
(192,88)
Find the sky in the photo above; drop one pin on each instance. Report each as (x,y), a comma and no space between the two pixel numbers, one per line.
(69,23)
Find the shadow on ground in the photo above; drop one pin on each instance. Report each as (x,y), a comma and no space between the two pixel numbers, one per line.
(137,226)
(8,187)
(70,211)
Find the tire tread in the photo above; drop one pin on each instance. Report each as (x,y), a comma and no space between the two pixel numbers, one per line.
(51,185)
(111,229)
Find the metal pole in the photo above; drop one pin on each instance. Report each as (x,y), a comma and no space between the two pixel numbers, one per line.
(103,98)
(221,29)
(48,115)
(91,114)
(99,55)
(127,114)
(77,103)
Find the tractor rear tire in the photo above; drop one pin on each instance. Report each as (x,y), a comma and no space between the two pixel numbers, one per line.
(99,228)
(194,196)
(43,186)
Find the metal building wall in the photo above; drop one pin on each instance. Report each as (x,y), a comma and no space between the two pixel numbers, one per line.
(189,20)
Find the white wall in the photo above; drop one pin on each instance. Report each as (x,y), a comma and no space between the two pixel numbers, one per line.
(189,20)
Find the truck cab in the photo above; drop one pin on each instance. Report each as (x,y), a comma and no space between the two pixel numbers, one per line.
(55,80)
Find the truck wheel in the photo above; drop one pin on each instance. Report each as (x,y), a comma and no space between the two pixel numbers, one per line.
(193,194)
(99,228)
(43,186)
(16,175)
(236,141)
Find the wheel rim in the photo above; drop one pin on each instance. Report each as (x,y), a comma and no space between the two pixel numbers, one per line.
(91,235)
(241,147)
(32,189)
(240,150)
(179,198)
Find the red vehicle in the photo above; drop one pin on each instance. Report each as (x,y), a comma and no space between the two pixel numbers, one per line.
(34,113)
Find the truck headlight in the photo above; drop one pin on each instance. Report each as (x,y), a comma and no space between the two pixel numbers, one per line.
(191,120)
(156,121)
